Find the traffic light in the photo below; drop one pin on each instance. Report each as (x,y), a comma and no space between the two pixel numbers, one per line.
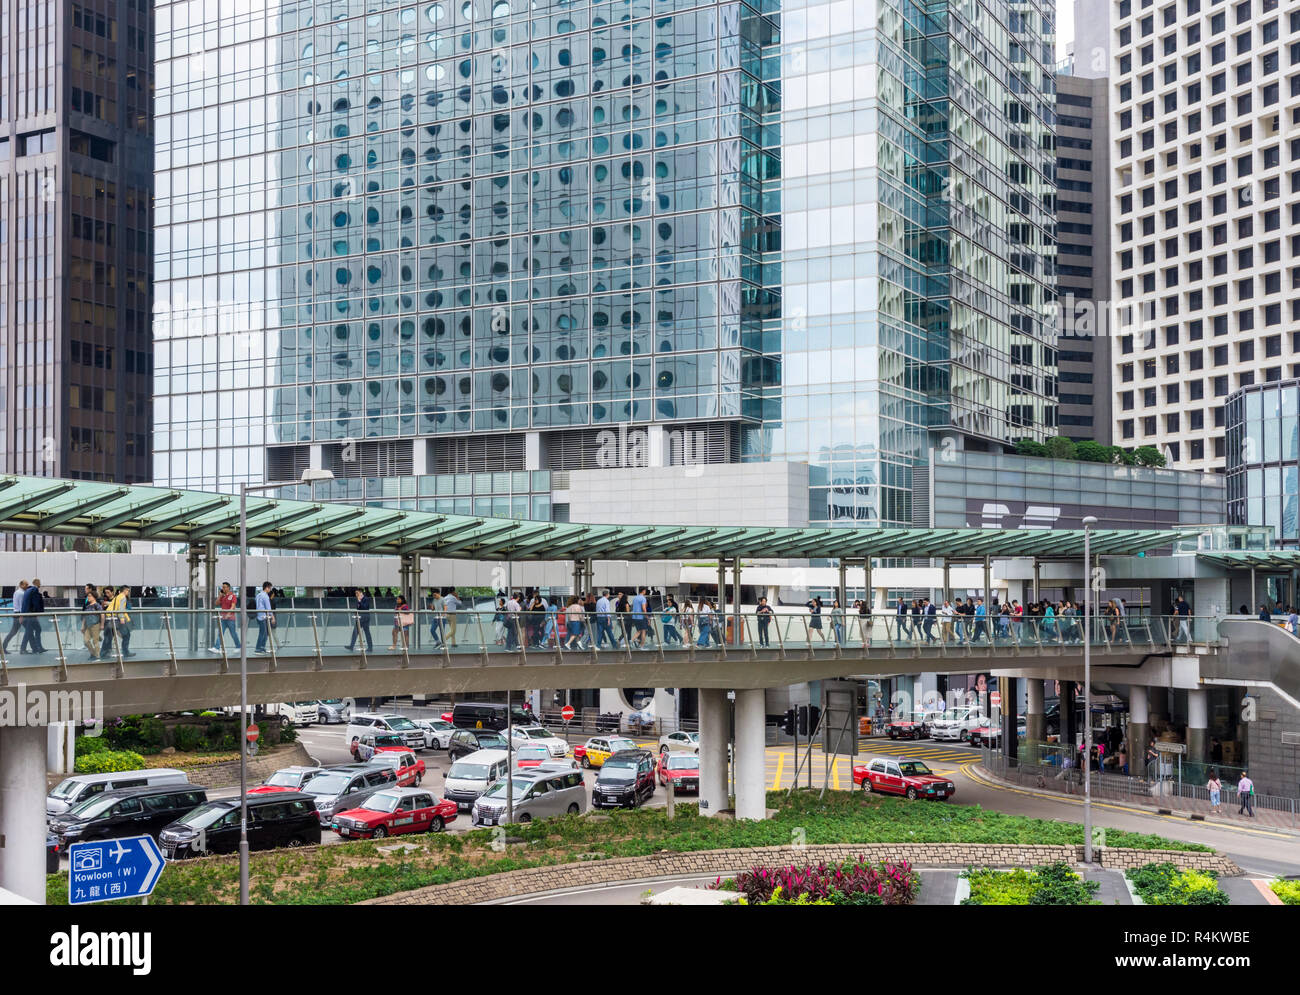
(814,716)
(787,722)
(808,719)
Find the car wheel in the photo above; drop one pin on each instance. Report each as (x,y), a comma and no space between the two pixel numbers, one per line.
(380,832)
(418,779)
(586,764)
(295,842)
(436,825)
(911,793)
(963,735)
(893,733)
(866,785)
(284,721)
(573,808)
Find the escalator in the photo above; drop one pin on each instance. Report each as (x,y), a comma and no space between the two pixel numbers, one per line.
(1256,654)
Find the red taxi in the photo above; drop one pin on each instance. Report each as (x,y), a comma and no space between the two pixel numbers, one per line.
(285,779)
(903,777)
(532,756)
(406,765)
(682,769)
(393,811)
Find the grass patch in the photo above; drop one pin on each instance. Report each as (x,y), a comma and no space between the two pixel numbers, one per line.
(1052,884)
(351,872)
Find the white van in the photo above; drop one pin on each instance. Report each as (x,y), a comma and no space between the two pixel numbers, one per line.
(472,775)
(77,788)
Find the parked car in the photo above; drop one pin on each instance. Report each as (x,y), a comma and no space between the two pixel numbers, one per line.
(126,812)
(991,735)
(377,722)
(470,776)
(532,755)
(682,769)
(369,744)
(488,715)
(956,724)
(273,820)
(598,749)
(286,779)
(467,741)
(911,778)
(689,741)
(537,794)
(346,786)
(405,764)
(393,811)
(542,735)
(626,779)
(437,732)
(905,728)
(332,711)
(79,787)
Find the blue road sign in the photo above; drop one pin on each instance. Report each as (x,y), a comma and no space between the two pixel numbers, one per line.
(106,870)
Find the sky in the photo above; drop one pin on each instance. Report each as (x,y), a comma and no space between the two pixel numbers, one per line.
(1064,26)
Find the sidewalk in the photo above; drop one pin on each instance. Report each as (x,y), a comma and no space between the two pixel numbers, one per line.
(1227,818)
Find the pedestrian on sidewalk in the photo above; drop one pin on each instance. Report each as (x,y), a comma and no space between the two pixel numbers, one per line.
(1246,795)
(1215,787)
(33,607)
(92,621)
(20,593)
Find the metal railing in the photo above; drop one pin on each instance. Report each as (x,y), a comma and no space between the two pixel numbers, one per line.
(66,638)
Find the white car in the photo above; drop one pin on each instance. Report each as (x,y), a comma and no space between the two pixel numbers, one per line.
(437,733)
(541,735)
(956,724)
(680,741)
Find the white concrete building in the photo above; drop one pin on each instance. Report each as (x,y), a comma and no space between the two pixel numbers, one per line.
(1205,196)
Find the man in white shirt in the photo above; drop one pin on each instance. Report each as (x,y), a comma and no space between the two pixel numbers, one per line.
(604,630)
(1246,795)
(451,604)
(20,595)
(513,607)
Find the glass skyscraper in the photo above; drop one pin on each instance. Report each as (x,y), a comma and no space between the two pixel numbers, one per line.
(441,248)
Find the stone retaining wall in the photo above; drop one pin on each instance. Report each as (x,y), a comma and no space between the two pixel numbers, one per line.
(226,774)
(726,862)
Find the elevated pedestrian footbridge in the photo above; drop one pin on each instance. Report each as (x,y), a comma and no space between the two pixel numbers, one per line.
(147,665)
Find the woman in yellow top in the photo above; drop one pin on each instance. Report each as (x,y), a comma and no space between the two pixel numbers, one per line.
(117,621)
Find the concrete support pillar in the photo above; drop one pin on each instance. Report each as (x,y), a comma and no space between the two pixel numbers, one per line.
(210,600)
(947,580)
(1139,729)
(868,591)
(60,747)
(577,577)
(738,623)
(589,574)
(1198,714)
(721,606)
(1010,711)
(22,811)
(751,760)
(1034,731)
(1036,579)
(714,735)
(842,592)
(1066,702)
(196,596)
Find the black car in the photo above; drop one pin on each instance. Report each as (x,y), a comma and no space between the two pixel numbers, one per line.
(51,853)
(488,715)
(626,779)
(466,741)
(126,812)
(286,818)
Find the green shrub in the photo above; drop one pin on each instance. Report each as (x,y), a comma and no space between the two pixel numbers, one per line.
(189,739)
(1165,884)
(1288,891)
(1052,884)
(1056,884)
(1060,447)
(142,733)
(109,762)
(86,745)
(289,734)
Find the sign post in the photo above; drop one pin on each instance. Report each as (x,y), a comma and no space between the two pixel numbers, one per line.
(566,713)
(109,870)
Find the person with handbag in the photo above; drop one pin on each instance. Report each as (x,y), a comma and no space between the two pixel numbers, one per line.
(403,619)
(117,622)
(92,621)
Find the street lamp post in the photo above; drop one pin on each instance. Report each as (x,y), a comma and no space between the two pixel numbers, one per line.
(308,477)
(1088,523)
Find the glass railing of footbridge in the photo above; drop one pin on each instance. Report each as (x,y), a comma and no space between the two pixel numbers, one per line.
(170,635)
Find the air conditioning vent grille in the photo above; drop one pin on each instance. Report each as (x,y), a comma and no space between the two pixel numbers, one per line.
(287,462)
(378,458)
(477,454)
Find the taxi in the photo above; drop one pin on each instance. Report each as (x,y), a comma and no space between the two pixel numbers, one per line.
(681,770)
(393,811)
(286,779)
(370,744)
(406,765)
(598,749)
(532,755)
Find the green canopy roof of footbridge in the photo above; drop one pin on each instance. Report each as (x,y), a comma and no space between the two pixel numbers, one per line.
(93,509)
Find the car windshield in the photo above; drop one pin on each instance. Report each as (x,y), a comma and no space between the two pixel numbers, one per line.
(330,701)
(532,751)
(93,807)
(690,762)
(694,737)
(387,759)
(473,772)
(491,742)
(537,732)
(498,790)
(382,801)
(284,779)
(954,716)
(327,784)
(399,722)
(204,815)
(914,769)
(66,789)
(621,744)
(440,725)
(304,704)
(617,770)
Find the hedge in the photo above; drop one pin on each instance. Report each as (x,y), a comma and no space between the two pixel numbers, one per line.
(109,762)
(1165,884)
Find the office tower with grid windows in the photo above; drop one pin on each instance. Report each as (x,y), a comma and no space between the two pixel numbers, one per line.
(76,254)
(1205,196)
(456,252)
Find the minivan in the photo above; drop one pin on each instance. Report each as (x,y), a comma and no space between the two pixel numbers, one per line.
(466,741)
(284,819)
(626,778)
(378,722)
(79,787)
(539,792)
(346,786)
(126,812)
(488,715)
(471,776)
